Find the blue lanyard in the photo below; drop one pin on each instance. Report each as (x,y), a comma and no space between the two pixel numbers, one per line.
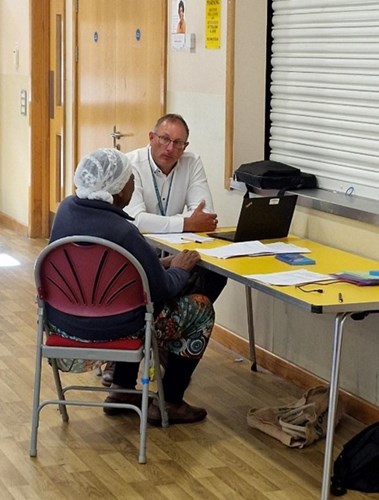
(163,210)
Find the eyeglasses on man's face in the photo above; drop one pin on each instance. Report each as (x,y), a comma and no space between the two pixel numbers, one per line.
(165,141)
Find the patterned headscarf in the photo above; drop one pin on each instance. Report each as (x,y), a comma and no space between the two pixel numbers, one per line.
(101,174)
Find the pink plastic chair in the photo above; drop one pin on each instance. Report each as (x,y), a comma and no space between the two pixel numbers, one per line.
(92,277)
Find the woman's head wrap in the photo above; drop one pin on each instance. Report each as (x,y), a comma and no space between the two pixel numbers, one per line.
(101,174)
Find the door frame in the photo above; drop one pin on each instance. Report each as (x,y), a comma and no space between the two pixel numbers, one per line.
(57,103)
(38,214)
(39,194)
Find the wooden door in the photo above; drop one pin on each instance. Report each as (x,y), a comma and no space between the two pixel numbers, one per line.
(140,69)
(121,72)
(56,103)
(95,74)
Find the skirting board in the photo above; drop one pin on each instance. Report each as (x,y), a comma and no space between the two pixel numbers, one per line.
(358,408)
(12,224)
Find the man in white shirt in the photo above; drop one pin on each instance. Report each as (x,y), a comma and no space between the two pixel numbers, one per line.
(171,192)
(171,195)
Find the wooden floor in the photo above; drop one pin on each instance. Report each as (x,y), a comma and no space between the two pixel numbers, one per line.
(94,456)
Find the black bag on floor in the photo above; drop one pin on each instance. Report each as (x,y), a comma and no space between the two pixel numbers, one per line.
(269,174)
(357,466)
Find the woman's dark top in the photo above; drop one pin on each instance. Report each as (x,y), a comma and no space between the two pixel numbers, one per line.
(76,216)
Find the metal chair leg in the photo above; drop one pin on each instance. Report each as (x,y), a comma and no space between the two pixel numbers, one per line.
(58,385)
(250,328)
(158,376)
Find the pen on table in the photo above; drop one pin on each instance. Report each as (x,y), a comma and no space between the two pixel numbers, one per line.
(191,241)
(340,298)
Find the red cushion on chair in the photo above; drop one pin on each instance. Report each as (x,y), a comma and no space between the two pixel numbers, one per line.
(130,344)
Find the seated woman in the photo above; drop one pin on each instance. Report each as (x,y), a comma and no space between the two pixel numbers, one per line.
(104,186)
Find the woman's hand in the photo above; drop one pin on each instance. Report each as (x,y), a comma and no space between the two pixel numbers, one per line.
(166,261)
(187,259)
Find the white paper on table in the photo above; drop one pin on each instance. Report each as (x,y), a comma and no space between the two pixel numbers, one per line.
(297,277)
(187,237)
(236,250)
(180,237)
(280,247)
(251,248)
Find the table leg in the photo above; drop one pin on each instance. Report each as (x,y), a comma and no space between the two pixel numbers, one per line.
(333,400)
(250,328)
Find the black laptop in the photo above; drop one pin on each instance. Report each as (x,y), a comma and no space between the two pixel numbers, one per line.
(262,218)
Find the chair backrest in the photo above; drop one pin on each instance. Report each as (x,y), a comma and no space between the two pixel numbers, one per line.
(90,276)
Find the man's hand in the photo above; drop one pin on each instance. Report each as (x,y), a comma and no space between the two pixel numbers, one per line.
(200,221)
(187,260)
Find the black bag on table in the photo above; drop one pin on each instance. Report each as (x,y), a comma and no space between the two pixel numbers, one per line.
(269,174)
(357,466)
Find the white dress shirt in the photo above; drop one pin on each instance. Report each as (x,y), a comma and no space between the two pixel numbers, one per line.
(180,192)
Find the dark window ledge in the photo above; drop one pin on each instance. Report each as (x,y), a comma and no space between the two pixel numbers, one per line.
(351,207)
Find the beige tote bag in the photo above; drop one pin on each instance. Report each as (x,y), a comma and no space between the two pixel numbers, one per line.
(298,424)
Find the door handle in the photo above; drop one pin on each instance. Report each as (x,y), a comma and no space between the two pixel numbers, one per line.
(116,136)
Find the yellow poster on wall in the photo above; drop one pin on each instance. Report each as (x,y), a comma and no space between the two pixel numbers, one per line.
(212,24)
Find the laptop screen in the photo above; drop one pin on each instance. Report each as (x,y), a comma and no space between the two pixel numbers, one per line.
(261,218)
(265,217)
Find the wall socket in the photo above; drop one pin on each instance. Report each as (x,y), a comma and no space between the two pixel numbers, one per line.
(23,102)
(193,42)
(16,57)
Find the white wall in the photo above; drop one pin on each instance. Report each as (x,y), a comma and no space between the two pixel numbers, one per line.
(196,89)
(14,127)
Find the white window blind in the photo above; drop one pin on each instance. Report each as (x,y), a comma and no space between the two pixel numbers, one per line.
(325,91)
